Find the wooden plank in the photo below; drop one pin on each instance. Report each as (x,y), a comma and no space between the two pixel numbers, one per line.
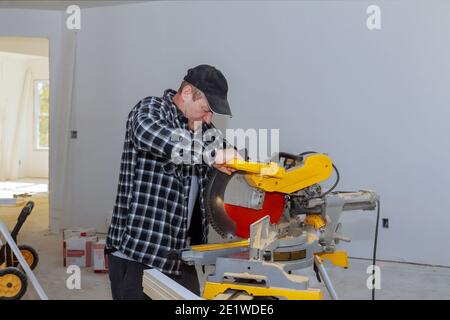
(233,295)
(158,286)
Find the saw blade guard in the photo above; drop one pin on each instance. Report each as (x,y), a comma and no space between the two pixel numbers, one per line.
(232,205)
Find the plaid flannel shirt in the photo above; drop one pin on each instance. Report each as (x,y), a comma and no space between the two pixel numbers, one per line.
(151,209)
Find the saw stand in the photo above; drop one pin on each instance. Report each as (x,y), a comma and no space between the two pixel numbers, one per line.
(246,266)
(266,268)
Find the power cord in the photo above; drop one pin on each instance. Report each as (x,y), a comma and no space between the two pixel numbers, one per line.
(335,169)
(374,260)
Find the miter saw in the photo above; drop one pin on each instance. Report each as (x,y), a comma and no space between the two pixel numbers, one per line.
(278,222)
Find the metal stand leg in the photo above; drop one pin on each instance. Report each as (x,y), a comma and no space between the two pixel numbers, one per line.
(326,279)
(23,263)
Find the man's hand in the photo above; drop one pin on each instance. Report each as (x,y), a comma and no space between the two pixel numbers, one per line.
(222,157)
(224,169)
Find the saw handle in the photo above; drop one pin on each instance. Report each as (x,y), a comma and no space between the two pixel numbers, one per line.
(289,156)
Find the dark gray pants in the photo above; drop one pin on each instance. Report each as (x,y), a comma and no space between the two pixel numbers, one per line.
(126,279)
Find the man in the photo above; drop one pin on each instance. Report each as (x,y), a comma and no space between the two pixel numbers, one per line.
(159,206)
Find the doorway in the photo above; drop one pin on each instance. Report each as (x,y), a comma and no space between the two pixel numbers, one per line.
(24,126)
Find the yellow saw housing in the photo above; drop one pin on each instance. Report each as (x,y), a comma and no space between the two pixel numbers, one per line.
(271,177)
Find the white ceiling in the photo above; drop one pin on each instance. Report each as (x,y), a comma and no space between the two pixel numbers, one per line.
(36,47)
(62,4)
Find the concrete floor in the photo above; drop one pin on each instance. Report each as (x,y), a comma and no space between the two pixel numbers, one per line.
(50,271)
(398,280)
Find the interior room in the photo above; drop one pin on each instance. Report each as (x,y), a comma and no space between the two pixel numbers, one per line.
(364,84)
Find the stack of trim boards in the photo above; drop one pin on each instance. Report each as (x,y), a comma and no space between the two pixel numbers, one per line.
(158,286)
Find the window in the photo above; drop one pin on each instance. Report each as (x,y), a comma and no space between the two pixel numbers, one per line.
(41,108)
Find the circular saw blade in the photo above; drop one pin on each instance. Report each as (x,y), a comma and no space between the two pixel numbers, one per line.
(232,205)
(214,205)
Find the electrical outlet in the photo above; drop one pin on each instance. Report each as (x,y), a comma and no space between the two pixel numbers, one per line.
(74,134)
(385,223)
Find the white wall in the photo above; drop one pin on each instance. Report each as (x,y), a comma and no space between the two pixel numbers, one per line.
(36,161)
(375,101)
(12,76)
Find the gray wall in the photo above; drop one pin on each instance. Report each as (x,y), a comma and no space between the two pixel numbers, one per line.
(374,100)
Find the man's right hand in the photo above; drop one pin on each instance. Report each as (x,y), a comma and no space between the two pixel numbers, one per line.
(222,157)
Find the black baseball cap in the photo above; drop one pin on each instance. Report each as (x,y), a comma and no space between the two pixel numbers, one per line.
(213,84)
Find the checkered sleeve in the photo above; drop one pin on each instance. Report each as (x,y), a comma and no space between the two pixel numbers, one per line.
(153,132)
